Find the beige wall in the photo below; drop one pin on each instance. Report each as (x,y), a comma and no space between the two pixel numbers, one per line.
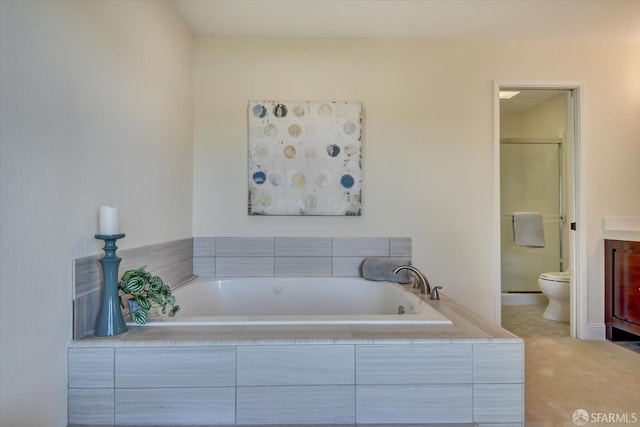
(428,142)
(546,120)
(96,109)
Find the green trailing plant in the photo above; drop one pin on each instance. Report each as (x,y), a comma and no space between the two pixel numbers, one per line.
(147,291)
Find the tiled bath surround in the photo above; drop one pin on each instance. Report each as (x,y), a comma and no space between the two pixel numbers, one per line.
(469,372)
(296,384)
(291,256)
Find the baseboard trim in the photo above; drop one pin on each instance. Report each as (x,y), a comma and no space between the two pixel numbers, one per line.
(523,299)
(595,332)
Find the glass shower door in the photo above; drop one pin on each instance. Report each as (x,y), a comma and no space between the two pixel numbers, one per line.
(530,181)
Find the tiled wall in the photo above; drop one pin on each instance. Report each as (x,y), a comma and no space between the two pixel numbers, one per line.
(172,261)
(291,256)
(439,382)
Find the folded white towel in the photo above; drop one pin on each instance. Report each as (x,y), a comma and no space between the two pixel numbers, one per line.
(382,268)
(528,229)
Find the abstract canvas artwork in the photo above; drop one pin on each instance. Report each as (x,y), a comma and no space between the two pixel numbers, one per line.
(305,158)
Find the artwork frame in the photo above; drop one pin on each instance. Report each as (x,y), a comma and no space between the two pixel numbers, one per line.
(305,158)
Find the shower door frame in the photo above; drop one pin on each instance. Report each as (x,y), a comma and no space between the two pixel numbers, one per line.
(574,200)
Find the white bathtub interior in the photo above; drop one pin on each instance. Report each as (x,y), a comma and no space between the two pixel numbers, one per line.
(297,301)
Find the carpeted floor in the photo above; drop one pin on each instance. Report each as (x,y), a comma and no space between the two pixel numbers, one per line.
(564,375)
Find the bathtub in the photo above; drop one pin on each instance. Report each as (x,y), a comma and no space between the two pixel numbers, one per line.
(297,301)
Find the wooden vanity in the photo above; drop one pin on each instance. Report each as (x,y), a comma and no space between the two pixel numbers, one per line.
(622,288)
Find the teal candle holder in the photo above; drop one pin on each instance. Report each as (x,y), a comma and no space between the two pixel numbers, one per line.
(110,319)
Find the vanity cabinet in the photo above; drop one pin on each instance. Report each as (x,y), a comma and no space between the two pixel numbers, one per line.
(622,287)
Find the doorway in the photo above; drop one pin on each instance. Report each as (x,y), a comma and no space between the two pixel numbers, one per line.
(537,158)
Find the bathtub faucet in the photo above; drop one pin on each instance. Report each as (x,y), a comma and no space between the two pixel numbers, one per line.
(425,288)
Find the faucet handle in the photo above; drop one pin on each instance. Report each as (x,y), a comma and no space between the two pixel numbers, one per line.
(435,295)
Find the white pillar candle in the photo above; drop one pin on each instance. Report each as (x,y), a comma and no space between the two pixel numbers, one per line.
(109,220)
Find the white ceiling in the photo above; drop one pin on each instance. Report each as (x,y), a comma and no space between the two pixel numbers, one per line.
(586,20)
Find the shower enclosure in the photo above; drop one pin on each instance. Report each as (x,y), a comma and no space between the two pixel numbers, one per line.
(531,180)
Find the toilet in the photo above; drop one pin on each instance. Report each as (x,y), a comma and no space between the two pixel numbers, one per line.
(556,287)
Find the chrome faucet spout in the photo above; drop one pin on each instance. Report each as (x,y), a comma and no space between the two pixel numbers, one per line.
(425,288)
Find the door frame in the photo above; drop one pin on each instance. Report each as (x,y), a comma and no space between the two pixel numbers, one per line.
(575,200)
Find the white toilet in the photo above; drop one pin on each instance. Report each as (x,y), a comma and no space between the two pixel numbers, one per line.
(556,287)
